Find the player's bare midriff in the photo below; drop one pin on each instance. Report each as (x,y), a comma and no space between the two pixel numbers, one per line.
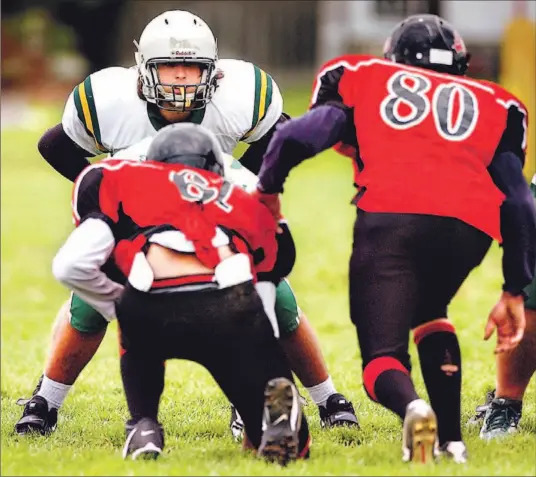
(167,263)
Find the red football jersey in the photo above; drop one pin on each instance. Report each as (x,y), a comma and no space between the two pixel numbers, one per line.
(135,196)
(422,140)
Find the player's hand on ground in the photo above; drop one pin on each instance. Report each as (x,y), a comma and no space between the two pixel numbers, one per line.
(508,317)
(272,202)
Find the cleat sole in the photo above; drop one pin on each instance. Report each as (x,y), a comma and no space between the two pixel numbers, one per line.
(280,441)
(424,435)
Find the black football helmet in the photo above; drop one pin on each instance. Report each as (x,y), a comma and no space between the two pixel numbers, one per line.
(430,42)
(188,144)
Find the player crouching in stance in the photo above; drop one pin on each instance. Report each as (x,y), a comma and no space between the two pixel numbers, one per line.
(178,78)
(202,259)
(438,163)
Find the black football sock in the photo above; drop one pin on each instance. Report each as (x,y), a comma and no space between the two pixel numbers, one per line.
(143,382)
(388,382)
(441,365)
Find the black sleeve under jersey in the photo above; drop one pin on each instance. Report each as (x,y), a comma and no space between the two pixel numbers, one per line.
(86,204)
(86,193)
(62,153)
(86,197)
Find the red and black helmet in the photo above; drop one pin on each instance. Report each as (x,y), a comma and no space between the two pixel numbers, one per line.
(430,42)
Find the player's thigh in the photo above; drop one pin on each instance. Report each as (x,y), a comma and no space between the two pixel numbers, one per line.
(384,288)
(286,308)
(84,318)
(456,249)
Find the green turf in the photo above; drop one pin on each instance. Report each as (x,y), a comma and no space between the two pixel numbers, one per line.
(35,221)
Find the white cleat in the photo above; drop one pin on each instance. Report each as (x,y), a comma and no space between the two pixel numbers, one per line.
(419,435)
(454,450)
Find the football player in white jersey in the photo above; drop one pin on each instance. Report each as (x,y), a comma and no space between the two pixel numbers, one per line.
(177,78)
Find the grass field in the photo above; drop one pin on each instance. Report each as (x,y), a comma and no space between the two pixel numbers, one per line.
(35,222)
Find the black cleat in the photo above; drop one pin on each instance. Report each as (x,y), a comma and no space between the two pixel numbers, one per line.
(338,411)
(145,439)
(281,422)
(480,410)
(36,418)
(501,419)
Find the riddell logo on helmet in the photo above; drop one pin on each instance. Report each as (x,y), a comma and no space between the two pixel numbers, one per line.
(183,53)
(182,47)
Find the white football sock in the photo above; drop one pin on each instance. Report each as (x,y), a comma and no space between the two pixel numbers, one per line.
(321,392)
(54,392)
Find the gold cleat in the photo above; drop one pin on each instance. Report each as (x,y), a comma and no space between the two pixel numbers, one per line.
(419,438)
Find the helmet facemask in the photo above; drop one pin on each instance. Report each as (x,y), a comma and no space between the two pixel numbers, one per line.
(178,97)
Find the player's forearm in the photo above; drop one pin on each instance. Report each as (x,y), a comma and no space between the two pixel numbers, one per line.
(78,264)
(300,139)
(518,222)
(62,153)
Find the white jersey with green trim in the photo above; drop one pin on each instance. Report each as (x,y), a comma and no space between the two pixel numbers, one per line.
(104,114)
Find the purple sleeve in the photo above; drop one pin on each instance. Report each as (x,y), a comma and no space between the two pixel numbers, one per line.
(518,222)
(300,139)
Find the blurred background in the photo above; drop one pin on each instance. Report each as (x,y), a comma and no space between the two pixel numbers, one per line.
(48,47)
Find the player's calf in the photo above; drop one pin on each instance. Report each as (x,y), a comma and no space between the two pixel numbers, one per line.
(78,332)
(302,348)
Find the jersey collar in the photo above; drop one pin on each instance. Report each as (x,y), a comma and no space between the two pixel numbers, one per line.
(158,122)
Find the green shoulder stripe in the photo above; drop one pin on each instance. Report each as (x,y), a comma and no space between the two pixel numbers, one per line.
(263,98)
(87,113)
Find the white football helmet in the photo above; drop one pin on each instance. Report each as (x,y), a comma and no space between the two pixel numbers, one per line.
(177,36)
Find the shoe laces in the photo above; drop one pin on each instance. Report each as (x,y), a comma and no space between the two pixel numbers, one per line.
(501,416)
(339,404)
